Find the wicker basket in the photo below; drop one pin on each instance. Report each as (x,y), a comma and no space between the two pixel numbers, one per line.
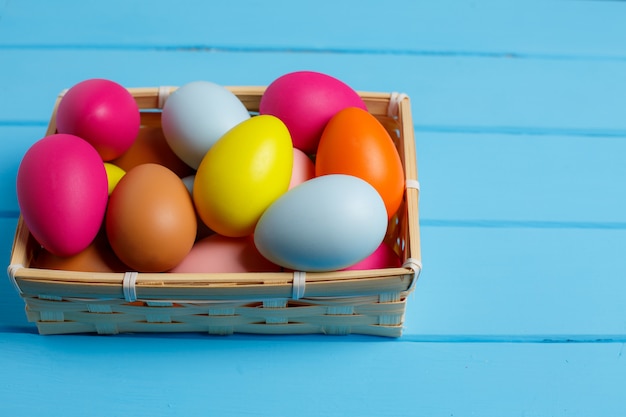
(363,302)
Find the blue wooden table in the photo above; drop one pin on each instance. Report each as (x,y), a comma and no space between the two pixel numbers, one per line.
(520,123)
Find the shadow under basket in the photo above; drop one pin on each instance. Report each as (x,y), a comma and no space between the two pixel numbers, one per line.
(370,302)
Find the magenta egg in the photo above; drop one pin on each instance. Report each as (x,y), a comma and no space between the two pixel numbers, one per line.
(62,192)
(103,113)
(383,257)
(305,101)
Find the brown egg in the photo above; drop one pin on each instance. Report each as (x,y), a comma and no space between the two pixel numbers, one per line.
(150,146)
(150,221)
(97,257)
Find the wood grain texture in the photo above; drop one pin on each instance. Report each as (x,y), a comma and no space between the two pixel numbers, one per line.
(524,180)
(518,112)
(559,29)
(526,282)
(467,94)
(259,376)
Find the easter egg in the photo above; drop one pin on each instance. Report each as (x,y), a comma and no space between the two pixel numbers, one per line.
(382,257)
(103,113)
(97,257)
(305,101)
(150,147)
(303,168)
(355,143)
(188,181)
(114,175)
(326,223)
(203,231)
(62,192)
(242,174)
(150,221)
(196,115)
(217,253)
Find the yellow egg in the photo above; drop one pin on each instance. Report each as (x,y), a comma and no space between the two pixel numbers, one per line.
(114,175)
(246,170)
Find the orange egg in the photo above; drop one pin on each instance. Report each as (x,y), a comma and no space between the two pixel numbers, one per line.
(151,221)
(97,257)
(355,143)
(150,146)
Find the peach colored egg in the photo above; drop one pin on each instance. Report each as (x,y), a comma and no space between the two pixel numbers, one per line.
(303,168)
(218,253)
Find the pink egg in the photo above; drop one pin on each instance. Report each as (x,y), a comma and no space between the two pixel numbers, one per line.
(305,101)
(383,257)
(221,254)
(103,113)
(303,168)
(62,192)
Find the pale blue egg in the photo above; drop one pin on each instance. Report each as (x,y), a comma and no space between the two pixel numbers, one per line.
(196,115)
(324,224)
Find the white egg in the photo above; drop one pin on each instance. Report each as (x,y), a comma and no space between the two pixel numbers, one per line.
(324,224)
(196,115)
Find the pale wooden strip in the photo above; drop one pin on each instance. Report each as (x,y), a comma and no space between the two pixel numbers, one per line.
(55,311)
(410,167)
(48,328)
(148,97)
(91,285)
(381,308)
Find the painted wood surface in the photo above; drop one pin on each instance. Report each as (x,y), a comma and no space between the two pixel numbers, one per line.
(520,119)
(261,376)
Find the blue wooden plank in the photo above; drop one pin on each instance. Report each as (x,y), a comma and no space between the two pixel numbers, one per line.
(562,30)
(162,376)
(522,180)
(528,283)
(12,314)
(469,94)
(14,141)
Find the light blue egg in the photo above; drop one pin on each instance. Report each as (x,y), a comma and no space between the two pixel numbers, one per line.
(188,181)
(196,115)
(324,224)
